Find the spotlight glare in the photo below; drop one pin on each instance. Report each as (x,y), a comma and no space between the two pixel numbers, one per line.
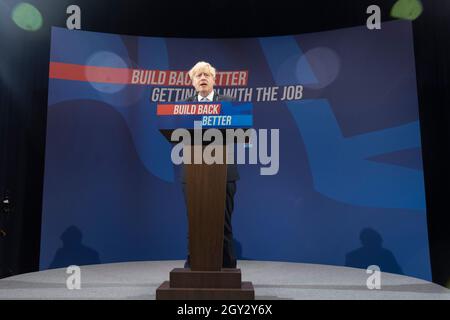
(27,17)
(407,9)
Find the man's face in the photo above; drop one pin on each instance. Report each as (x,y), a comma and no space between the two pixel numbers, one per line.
(203,81)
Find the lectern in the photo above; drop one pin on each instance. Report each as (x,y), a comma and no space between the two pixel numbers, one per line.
(205,192)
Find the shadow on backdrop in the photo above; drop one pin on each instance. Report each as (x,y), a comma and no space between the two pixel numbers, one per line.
(238,250)
(372,253)
(73,251)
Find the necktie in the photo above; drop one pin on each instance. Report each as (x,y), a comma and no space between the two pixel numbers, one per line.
(204,99)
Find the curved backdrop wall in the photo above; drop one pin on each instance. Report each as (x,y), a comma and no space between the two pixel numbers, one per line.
(349,190)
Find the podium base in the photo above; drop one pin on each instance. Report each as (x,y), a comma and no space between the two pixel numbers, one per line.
(165,292)
(185,284)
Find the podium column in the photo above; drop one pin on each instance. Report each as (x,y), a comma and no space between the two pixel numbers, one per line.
(206,191)
(206,279)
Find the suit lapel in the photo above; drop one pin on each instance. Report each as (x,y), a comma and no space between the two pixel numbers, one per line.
(215,97)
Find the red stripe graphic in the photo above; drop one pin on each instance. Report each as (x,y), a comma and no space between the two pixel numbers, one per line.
(187,109)
(164,110)
(67,71)
(77,72)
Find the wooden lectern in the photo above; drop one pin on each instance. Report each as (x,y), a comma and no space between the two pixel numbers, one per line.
(206,279)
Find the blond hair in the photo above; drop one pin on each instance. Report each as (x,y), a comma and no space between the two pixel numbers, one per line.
(202,65)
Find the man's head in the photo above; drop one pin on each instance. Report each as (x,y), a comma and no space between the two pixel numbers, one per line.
(203,76)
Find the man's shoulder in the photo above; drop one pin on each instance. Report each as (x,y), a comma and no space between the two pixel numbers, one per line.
(191,98)
(220,97)
(224,97)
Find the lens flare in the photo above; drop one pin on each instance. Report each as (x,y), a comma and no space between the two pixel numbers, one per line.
(27,17)
(407,9)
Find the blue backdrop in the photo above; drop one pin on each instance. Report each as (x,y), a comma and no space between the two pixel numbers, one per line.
(350,187)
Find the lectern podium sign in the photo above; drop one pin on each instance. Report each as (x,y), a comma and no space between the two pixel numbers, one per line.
(211,115)
(205,192)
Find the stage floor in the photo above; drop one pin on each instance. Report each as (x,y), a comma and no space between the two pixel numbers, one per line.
(272,280)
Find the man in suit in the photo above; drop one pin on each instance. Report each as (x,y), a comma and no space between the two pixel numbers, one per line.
(203,79)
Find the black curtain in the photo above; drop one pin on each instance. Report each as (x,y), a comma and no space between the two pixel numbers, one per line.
(432,52)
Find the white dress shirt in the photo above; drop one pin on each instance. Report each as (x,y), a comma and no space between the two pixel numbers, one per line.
(209,97)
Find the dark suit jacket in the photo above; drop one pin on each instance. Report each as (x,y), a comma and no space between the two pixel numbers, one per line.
(232,171)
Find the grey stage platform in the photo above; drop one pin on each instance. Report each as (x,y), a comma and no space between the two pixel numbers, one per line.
(272,280)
